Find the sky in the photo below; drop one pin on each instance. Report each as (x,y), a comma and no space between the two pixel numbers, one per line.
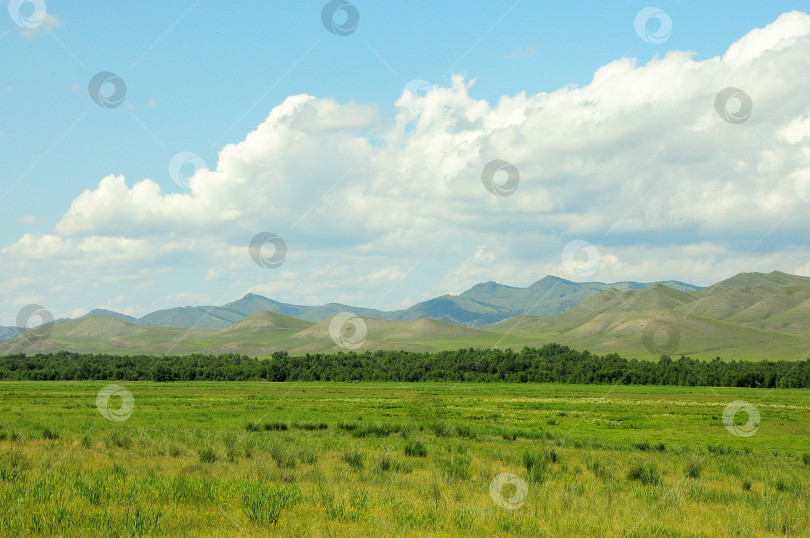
(381,153)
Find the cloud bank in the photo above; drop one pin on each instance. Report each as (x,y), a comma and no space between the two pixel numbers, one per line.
(380,210)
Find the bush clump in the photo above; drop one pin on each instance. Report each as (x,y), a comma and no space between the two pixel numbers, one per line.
(646,474)
(416,449)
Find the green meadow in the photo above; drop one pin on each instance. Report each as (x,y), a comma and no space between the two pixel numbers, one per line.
(426,459)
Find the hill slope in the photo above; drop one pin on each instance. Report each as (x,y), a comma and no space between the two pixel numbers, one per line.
(750,316)
(481,305)
(747,316)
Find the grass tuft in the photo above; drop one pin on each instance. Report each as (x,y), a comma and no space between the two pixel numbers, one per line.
(646,474)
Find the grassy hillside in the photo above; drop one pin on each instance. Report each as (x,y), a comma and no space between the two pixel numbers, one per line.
(750,316)
(481,305)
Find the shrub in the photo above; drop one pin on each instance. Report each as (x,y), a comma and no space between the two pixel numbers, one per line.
(347,426)
(806,458)
(646,474)
(642,445)
(746,485)
(532,460)
(416,449)
(354,458)
(48,433)
(442,430)
(310,426)
(252,427)
(465,431)
(284,457)
(693,469)
(536,462)
(275,426)
(552,422)
(385,462)
(376,430)
(207,455)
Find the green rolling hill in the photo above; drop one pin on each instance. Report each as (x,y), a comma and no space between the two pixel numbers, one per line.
(481,305)
(749,316)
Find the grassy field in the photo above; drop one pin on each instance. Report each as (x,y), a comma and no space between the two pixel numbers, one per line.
(342,459)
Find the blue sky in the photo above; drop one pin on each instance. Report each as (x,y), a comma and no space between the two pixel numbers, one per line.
(200,75)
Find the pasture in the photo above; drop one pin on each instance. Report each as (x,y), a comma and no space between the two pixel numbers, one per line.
(347,459)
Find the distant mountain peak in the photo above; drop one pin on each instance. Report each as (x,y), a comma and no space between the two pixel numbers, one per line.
(485,286)
(550,280)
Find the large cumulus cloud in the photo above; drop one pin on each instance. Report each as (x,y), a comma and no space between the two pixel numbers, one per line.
(637,162)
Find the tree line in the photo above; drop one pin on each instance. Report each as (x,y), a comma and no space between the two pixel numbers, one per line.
(551,363)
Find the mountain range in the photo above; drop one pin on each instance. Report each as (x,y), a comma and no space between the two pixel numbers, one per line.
(481,305)
(749,316)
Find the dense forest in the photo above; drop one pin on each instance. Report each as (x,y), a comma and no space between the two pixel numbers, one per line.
(549,364)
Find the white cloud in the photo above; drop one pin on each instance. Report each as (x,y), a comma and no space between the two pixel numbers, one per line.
(27,220)
(636,162)
(49,22)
